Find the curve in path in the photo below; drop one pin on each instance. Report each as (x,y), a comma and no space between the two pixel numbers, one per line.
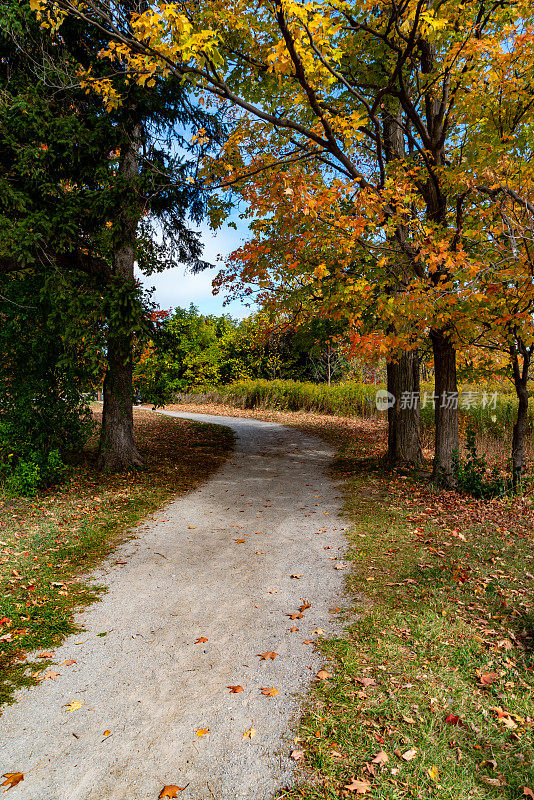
(216,563)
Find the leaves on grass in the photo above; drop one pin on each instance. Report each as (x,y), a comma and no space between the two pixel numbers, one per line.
(171,790)
(433,772)
(75,705)
(269,692)
(45,654)
(453,719)
(366,681)
(323,675)
(528,792)
(12,779)
(360,787)
(297,755)
(409,755)
(201,640)
(235,689)
(202,731)
(270,654)
(380,758)
(487,678)
(250,734)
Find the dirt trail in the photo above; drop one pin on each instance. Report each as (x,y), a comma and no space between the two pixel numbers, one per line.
(190,575)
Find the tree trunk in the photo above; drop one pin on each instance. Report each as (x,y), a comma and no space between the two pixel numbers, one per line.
(520,428)
(404,423)
(446,412)
(117,445)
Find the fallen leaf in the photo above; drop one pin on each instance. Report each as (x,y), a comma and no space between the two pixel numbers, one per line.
(323,675)
(340,566)
(304,606)
(171,791)
(410,720)
(500,781)
(74,705)
(235,689)
(268,655)
(308,641)
(360,787)
(380,758)
(201,640)
(12,779)
(293,629)
(68,663)
(269,692)
(433,773)
(106,733)
(296,615)
(366,681)
(409,755)
(202,731)
(528,792)
(318,631)
(45,654)
(294,575)
(452,719)
(239,541)
(487,678)
(297,755)
(250,734)
(508,723)
(52,674)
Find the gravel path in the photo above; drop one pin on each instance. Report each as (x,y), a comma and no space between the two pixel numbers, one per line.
(188,575)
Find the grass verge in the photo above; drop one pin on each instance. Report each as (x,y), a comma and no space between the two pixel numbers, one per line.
(46,543)
(430,688)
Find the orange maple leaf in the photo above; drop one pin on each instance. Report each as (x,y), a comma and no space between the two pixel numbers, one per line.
(265,656)
(12,779)
(269,692)
(202,731)
(171,790)
(201,640)
(235,689)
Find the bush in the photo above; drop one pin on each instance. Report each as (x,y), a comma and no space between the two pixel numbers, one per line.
(35,472)
(472,474)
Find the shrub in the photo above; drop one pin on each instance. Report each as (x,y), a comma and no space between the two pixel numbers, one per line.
(472,474)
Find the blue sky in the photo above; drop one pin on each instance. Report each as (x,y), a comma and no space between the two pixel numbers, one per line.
(177,287)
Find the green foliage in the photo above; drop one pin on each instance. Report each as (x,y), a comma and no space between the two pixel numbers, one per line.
(35,472)
(472,474)
(197,352)
(45,373)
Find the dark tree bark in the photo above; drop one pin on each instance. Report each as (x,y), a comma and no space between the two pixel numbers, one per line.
(117,449)
(404,421)
(404,425)
(446,412)
(519,435)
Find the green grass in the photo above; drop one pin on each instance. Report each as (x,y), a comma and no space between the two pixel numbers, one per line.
(46,543)
(430,614)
